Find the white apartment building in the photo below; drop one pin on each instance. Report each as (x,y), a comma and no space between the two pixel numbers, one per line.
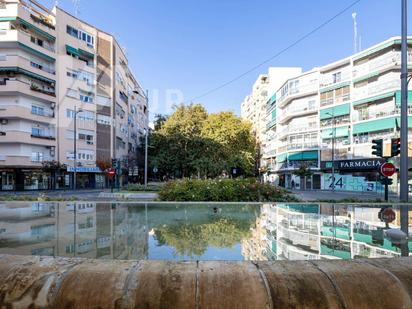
(51,65)
(350,102)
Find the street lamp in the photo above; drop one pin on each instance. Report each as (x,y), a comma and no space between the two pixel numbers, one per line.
(76,111)
(146,96)
(333,149)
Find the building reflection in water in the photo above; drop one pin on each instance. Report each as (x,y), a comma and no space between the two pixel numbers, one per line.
(307,232)
(182,231)
(80,229)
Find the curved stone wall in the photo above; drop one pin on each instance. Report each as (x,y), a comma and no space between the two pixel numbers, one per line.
(45,282)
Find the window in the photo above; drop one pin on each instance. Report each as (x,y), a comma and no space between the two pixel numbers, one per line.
(81,35)
(37,157)
(37,131)
(86,98)
(37,110)
(71,93)
(337,77)
(103,119)
(36,65)
(73,74)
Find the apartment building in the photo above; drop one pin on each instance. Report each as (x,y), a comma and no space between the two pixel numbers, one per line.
(55,68)
(346,103)
(253,108)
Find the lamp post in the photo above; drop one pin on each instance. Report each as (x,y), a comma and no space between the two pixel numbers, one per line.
(76,111)
(145,95)
(333,149)
(403,192)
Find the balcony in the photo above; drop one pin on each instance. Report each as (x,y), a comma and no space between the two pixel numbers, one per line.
(20,62)
(379,64)
(18,161)
(375,88)
(297,92)
(366,115)
(292,130)
(293,112)
(13,86)
(301,146)
(21,112)
(20,137)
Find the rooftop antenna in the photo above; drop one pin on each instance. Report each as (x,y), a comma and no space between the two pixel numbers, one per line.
(76,4)
(355,33)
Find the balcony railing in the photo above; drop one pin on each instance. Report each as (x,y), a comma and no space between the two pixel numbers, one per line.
(302,89)
(290,112)
(43,136)
(375,88)
(381,114)
(308,145)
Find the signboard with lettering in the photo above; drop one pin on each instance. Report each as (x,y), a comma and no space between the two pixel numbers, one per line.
(82,169)
(356,164)
(350,183)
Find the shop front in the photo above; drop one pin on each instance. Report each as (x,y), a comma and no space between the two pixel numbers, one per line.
(25,180)
(86,178)
(358,175)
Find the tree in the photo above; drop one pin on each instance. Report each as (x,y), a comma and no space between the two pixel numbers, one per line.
(190,142)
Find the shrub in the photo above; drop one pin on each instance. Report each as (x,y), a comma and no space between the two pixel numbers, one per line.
(223,190)
(139,187)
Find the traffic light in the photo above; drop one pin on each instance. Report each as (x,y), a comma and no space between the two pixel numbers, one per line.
(386,180)
(114,163)
(395,147)
(377,147)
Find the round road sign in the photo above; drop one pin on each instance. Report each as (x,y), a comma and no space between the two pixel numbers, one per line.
(388,169)
(387,215)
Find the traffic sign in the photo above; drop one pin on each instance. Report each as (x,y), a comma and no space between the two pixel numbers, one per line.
(387,215)
(388,169)
(111,172)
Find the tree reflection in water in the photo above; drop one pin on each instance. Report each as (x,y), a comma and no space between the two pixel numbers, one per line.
(194,239)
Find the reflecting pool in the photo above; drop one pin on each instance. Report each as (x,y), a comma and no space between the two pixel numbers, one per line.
(174,231)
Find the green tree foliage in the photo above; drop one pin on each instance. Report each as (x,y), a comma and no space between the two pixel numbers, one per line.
(193,143)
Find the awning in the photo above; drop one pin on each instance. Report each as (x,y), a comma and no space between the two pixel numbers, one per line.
(38,30)
(272,99)
(377,49)
(333,87)
(273,114)
(36,52)
(375,125)
(375,98)
(301,156)
(281,157)
(398,98)
(335,111)
(365,77)
(86,53)
(339,132)
(72,50)
(27,73)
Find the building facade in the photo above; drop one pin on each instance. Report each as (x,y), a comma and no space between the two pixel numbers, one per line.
(55,68)
(346,105)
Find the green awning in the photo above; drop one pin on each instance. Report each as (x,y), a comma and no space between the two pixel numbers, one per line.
(18,70)
(7,18)
(398,97)
(339,132)
(36,52)
(272,99)
(72,50)
(281,157)
(273,115)
(374,125)
(365,77)
(38,30)
(374,98)
(305,155)
(86,53)
(333,87)
(335,111)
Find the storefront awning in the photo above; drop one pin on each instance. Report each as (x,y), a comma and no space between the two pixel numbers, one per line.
(303,156)
(335,111)
(375,125)
(281,158)
(339,132)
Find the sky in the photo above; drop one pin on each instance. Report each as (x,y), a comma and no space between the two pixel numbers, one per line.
(180,49)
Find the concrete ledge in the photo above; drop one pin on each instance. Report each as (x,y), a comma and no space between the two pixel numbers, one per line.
(46,282)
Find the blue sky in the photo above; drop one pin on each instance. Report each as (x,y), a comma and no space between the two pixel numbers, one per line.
(196,45)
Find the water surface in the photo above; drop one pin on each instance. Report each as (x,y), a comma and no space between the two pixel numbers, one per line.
(198,231)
